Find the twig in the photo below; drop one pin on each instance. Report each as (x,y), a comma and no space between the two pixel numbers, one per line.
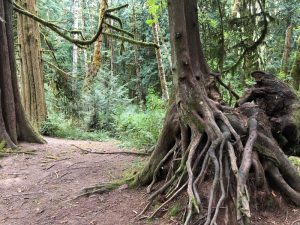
(111,153)
(22,194)
(7,153)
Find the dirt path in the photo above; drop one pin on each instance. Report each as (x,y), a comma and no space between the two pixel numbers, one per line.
(36,189)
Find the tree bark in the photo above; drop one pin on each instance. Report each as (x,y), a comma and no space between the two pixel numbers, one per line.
(14,125)
(161,70)
(140,89)
(295,72)
(32,82)
(76,18)
(287,49)
(96,62)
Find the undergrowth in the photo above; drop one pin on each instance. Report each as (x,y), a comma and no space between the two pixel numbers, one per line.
(58,126)
(140,128)
(133,125)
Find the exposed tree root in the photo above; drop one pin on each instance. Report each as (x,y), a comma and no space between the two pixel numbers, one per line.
(229,157)
(212,154)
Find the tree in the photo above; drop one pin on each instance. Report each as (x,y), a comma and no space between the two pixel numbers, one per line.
(140,89)
(213,139)
(161,70)
(287,48)
(13,124)
(295,73)
(32,85)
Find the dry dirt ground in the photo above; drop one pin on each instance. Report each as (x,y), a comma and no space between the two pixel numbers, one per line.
(38,189)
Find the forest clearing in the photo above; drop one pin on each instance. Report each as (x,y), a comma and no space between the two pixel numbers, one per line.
(150,112)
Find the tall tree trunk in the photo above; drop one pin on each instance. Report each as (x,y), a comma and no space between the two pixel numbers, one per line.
(33,96)
(236,8)
(167,52)
(161,70)
(140,89)
(295,72)
(85,53)
(112,49)
(76,18)
(96,62)
(287,49)
(13,123)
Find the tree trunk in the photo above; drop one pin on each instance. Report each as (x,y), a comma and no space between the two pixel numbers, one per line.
(76,18)
(204,141)
(287,49)
(161,70)
(32,83)
(167,52)
(96,62)
(13,124)
(139,82)
(236,8)
(295,73)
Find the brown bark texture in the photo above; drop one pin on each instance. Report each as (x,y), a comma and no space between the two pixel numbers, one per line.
(161,70)
(96,61)
(295,73)
(32,78)
(14,125)
(287,49)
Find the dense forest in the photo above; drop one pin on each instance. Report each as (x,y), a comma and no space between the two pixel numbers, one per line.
(207,91)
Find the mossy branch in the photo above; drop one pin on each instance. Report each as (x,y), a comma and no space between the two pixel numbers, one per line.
(57,68)
(132,41)
(57,29)
(119,29)
(81,42)
(114,18)
(116,8)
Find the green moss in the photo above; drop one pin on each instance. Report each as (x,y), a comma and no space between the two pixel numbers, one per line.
(174,210)
(296,162)
(2,146)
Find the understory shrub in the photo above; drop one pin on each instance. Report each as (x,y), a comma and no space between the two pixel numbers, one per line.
(140,128)
(58,126)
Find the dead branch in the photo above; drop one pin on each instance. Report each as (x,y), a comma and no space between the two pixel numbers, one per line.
(111,153)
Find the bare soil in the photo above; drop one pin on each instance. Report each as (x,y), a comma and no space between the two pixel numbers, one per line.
(40,189)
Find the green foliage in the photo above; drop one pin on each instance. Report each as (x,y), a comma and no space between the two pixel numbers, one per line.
(175,210)
(111,106)
(140,128)
(154,7)
(106,98)
(58,126)
(2,145)
(296,162)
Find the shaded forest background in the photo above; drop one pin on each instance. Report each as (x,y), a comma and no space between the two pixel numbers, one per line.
(124,92)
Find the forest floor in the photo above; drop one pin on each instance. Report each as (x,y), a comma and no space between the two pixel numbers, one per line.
(40,189)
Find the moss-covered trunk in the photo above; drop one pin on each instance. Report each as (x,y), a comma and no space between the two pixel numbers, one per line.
(295,73)
(13,124)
